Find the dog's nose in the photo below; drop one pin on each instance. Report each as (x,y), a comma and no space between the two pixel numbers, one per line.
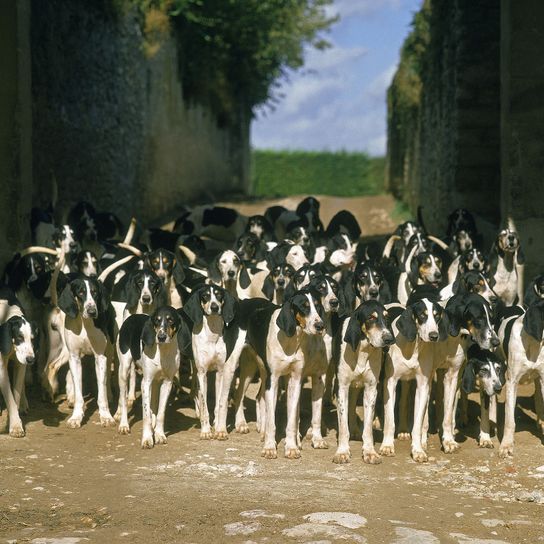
(476,265)
(161,337)
(73,245)
(438,276)
(373,291)
(334,303)
(495,342)
(231,273)
(30,360)
(214,307)
(281,282)
(91,312)
(320,326)
(388,339)
(497,388)
(146,299)
(433,336)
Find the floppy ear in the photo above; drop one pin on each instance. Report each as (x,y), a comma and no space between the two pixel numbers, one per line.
(213,271)
(244,279)
(354,334)
(406,325)
(132,293)
(349,296)
(193,308)
(260,252)
(469,378)
(414,271)
(67,302)
(520,256)
(456,284)
(178,273)
(268,287)
(385,296)
(103,301)
(493,258)
(229,308)
(184,337)
(289,290)
(148,333)
(533,323)
(6,341)
(286,320)
(454,311)
(443,327)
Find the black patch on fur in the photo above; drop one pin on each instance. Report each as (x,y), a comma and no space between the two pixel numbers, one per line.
(533,322)
(67,302)
(244,279)
(268,287)
(286,319)
(344,222)
(407,325)
(6,340)
(219,215)
(354,334)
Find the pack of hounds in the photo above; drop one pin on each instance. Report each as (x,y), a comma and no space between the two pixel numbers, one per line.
(275,299)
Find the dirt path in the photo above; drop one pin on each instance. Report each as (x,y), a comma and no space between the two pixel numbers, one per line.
(60,485)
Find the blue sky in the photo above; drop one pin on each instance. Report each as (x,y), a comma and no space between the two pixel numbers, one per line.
(338,100)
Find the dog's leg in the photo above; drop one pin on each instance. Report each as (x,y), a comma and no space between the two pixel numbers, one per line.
(448,423)
(404,409)
(485,431)
(194,389)
(355,430)
(101,368)
(389,392)
(420,408)
(75,370)
(147,428)
(329,385)
(539,404)
(166,387)
(343,453)
(261,406)
(125,363)
(292,451)
(248,367)
(132,387)
(369,402)
(15,424)
(205,428)
(70,389)
(507,443)
(271,397)
(219,375)
(463,409)
(19,383)
(318,388)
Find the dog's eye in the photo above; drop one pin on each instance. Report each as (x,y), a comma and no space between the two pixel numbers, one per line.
(438,261)
(219,295)
(236,260)
(365,275)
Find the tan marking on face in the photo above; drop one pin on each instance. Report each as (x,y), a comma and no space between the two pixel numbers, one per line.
(301,320)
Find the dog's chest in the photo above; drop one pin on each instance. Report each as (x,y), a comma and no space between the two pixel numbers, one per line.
(209,347)
(163,361)
(317,353)
(84,337)
(506,282)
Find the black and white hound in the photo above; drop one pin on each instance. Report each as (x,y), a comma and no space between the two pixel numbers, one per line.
(88,330)
(170,271)
(522,343)
(359,357)
(277,282)
(285,341)
(210,339)
(506,267)
(151,343)
(16,343)
(486,370)
(471,259)
(419,330)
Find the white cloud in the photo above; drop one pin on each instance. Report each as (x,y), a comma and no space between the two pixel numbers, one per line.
(348,8)
(377,88)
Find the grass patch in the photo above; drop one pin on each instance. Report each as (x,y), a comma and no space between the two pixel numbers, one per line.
(341,173)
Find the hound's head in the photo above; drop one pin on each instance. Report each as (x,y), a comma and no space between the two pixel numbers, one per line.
(370,321)
(299,235)
(279,279)
(463,240)
(426,269)
(473,259)
(368,281)
(258,225)
(304,311)
(461,219)
(162,262)
(326,290)
(406,230)
(210,300)
(304,275)
(87,225)
(423,318)
(87,263)
(143,287)
(16,338)
(508,241)
(533,320)
(476,282)
(419,241)
(341,251)
(162,326)
(249,247)
(64,239)
(484,366)
(472,312)
(538,286)
(83,296)
(225,268)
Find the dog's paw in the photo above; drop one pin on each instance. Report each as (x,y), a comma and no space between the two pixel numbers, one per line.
(292,453)
(123,429)
(107,421)
(341,458)
(320,444)
(485,443)
(371,457)
(450,446)
(221,435)
(147,442)
(74,422)
(506,450)
(387,450)
(242,428)
(17,431)
(160,438)
(206,435)
(269,453)
(404,436)
(419,456)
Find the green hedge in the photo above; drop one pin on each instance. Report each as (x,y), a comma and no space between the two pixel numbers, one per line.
(342,173)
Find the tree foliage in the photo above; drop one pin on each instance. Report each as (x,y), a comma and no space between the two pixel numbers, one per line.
(234,53)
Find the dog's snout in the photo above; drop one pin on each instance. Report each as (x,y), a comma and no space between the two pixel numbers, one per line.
(281,282)
(320,326)
(495,342)
(433,336)
(91,312)
(231,273)
(388,339)
(161,336)
(214,307)
(373,291)
(497,388)
(146,299)
(476,265)
(334,303)
(30,360)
